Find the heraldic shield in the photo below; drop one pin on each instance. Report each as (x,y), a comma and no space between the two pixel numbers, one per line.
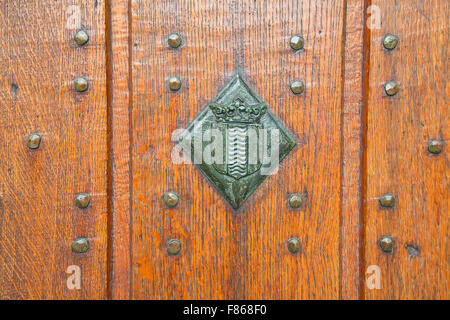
(236,142)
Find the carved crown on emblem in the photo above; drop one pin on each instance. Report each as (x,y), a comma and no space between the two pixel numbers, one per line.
(238,111)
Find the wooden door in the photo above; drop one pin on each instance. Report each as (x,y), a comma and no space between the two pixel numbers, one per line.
(345,142)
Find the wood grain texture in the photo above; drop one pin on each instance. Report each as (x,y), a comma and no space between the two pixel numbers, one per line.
(38,220)
(354,144)
(398,129)
(120,155)
(228,254)
(352,149)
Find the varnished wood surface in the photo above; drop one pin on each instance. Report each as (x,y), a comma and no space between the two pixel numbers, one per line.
(352,104)
(243,254)
(38,220)
(121,105)
(397,160)
(114,141)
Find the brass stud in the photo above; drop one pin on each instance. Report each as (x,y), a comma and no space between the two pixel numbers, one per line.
(435,146)
(81,37)
(170,199)
(390,41)
(297,42)
(174,40)
(297,87)
(34,141)
(80,84)
(173,247)
(82,200)
(296,201)
(387,200)
(80,245)
(391,88)
(174,83)
(293,245)
(386,244)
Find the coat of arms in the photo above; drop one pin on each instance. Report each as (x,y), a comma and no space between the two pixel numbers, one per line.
(236,141)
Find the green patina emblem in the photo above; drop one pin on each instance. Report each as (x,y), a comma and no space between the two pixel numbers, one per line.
(236,142)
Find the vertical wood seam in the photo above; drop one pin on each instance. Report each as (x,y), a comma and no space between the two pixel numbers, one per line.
(120,161)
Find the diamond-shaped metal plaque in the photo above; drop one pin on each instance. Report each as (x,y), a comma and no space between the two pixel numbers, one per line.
(236,141)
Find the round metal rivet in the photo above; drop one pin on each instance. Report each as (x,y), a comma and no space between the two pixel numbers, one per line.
(171,199)
(435,146)
(174,83)
(293,245)
(80,84)
(174,40)
(173,247)
(297,87)
(81,37)
(391,88)
(33,141)
(82,200)
(296,201)
(390,41)
(387,200)
(297,42)
(386,244)
(80,245)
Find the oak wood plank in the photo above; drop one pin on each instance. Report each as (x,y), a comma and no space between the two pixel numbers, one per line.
(243,254)
(38,221)
(398,129)
(352,105)
(120,155)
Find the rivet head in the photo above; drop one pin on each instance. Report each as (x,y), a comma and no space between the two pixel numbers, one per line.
(297,42)
(296,201)
(387,200)
(33,141)
(390,41)
(391,88)
(170,199)
(174,83)
(82,200)
(80,245)
(174,40)
(297,87)
(293,245)
(435,146)
(80,84)
(81,37)
(173,247)
(386,244)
